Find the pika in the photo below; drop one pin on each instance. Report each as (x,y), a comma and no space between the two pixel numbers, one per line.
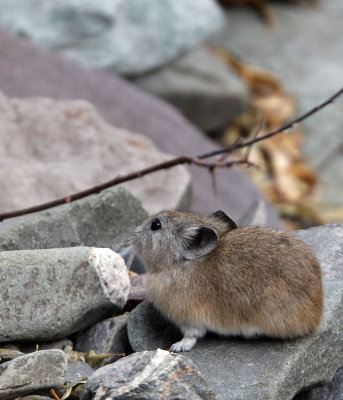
(206,274)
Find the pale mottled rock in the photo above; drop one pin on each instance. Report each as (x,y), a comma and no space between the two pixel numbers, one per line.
(148,375)
(38,371)
(52,149)
(49,294)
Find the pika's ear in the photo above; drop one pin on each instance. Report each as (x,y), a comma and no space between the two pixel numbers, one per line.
(197,241)
(220,216)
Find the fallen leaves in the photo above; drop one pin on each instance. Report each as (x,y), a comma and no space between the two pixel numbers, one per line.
(92,358)
(284,175)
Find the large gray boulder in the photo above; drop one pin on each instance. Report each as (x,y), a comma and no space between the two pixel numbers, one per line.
(202,87)
(40,73)
(50,294)
(101,220)
(263,368)
(312,78)
(148,375)
(52,149)
(129,36)
(32,373)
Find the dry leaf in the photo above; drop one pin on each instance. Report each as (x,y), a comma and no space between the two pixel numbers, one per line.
(284,177)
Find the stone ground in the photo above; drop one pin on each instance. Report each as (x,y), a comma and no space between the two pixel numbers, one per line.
(304,51)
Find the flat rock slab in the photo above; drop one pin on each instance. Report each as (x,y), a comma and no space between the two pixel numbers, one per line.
(263,368)
(50,294)
(71,149)
(34,372)
(148,375)
(101,220)
(41,73)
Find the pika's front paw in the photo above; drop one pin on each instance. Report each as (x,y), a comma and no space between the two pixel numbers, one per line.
(183,345)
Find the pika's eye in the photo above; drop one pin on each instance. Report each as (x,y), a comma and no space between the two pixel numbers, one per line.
(155,224)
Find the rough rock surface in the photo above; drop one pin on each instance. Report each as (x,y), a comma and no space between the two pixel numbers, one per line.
(148,375)
(56,148)
(263,368)
(129,36)
(76,371)
(202,87)
(39,73)
(312,33)
(101,220)
(38,371)
(331,391)
(50,294)
(108,336)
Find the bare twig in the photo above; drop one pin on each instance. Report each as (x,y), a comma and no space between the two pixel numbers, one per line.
(185,159)
(289,125)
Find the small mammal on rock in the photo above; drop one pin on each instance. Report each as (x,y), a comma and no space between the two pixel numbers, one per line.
(205,274)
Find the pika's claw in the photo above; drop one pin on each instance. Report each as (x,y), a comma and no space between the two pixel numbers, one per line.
(183,345)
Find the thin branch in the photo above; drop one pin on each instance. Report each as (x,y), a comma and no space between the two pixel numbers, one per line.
(198,160)
(289,125)
(120,179)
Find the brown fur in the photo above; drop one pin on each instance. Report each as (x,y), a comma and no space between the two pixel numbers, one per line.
(254,278)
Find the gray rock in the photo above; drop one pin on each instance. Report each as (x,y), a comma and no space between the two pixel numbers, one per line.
(38,72)
(35,397)
(148,375)
(78,370)
(71,149)
(108,336)
(49,294)
(256,215)
(327,243)
(202,87)
(100,220)
(63,344)
(148,329)
(38,371)
(129,37)
(331,391)
(312,33)
(263,368)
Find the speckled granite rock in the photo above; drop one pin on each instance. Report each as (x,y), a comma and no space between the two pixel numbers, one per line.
(148,375)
